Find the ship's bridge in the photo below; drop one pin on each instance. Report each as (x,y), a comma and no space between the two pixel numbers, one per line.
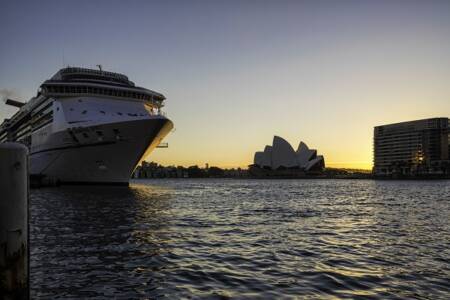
(75,73)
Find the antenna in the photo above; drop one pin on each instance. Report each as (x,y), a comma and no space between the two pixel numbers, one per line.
(100,67)
(63,61)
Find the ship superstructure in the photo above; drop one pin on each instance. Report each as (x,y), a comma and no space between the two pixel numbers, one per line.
(88,126)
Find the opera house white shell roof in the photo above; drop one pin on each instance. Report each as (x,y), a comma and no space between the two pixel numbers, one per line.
(282,155)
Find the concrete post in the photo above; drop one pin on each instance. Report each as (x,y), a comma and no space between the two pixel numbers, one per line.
(14,252)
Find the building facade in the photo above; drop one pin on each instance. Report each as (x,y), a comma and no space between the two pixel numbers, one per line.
(414,148)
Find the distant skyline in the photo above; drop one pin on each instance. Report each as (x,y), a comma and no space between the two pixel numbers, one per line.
(236,73)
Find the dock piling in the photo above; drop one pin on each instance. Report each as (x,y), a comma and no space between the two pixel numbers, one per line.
(14,251)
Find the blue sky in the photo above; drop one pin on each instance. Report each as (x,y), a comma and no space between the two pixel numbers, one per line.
(237,72)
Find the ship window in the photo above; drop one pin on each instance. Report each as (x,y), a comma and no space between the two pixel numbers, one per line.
(57,109)
(71,109)
(79,100)
(99,133)
(84,112)
(116,131)
(85,135)
(119,113)
(102,112)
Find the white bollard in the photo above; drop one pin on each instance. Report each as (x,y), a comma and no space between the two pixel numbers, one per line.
(14,254)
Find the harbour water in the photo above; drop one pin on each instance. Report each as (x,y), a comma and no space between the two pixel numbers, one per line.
(249,239)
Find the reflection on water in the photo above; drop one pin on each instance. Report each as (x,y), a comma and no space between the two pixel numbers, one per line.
(242,238)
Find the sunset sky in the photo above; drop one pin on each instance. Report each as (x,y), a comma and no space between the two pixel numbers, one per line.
(235,73)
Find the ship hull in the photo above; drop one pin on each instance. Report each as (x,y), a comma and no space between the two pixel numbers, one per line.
(71,158)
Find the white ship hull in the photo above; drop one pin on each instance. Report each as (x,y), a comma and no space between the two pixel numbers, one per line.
(109,161)
(95,147)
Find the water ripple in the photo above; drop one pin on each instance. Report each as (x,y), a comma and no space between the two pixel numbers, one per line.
(246,239)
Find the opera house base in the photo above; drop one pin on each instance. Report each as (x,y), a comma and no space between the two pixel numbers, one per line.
(258,172)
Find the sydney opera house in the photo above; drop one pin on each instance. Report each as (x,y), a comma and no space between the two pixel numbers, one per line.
(280,160)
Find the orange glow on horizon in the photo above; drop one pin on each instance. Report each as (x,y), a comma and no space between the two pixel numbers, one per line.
(362,165)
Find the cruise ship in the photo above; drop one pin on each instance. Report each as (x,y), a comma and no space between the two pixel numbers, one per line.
(88,126)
